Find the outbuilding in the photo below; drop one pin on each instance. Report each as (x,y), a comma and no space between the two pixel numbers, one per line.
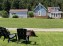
(21,13)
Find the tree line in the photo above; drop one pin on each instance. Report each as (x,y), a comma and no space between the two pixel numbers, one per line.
(29,4)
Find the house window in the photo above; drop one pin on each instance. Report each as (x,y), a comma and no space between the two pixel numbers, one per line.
(39,13)
(52,14)
(56,9)
(52,8)
(59,13)
(13,13)
(56,15)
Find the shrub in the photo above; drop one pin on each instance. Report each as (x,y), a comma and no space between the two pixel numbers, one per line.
(4,14)
(50,17)
(15,16)
(30,14)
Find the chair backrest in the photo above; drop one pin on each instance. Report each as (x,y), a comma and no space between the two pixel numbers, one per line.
(21,33)
(5,32)
(1,31)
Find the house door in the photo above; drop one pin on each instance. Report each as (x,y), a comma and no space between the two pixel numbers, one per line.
(39,13)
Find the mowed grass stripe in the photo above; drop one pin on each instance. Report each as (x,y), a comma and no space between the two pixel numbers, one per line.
(31,23)
(43,39)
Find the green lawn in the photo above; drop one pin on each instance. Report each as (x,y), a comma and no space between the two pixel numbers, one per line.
(43,39)
(31,23)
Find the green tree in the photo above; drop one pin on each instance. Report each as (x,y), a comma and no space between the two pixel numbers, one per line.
(30,4)
(0,6)
(15,4)
(30,14)
(4,14)
(6,5)
(22,4)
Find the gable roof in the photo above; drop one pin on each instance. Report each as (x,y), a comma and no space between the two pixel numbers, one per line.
(18,10)
(40,5)
(51,9)
(54,7)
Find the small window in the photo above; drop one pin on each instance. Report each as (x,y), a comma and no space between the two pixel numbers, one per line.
(39,13)
(52,14)
(13,13)
(56,15)
(52,8)
(59,13)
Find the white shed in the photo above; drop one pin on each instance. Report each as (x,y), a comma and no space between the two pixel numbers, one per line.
(21,13)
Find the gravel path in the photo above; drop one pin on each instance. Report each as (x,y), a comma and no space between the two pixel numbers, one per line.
(39,29)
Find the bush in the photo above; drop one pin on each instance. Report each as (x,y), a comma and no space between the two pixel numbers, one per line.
(4,14)
(30,14)
(50,17)
(15,16)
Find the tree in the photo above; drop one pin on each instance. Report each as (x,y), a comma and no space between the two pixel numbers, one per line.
(0,7)
(30,4)
(30,14)
(62,6)
(22,4)
(29,7)
(6,5)
(15,4)
(4,14)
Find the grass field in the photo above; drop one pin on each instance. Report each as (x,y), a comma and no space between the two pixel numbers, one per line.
(43,39)
(31,23)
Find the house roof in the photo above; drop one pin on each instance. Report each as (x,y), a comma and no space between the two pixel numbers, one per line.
(40,5)
(51,9)
(18,10)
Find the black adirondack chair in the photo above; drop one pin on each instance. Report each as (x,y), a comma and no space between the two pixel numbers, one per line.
(4,32)
(1,32)
(22,34)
